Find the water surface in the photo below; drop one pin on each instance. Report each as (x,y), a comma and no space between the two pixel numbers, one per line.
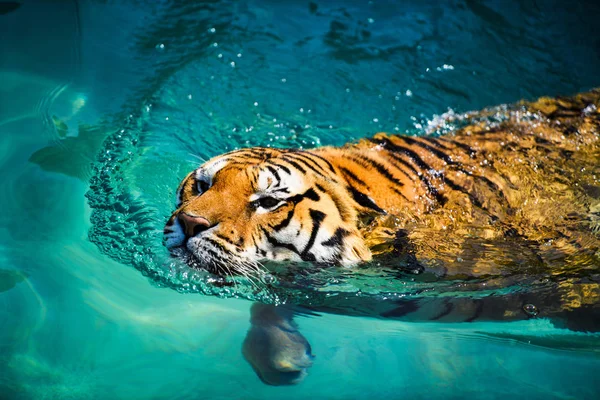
(103,108)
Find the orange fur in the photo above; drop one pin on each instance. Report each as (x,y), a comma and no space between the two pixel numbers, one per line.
(530,179)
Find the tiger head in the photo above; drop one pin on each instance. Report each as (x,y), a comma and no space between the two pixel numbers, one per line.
(260,204)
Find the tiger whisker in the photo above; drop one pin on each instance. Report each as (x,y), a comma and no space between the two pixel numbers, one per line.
(243,270)
(228,273)
(197,157)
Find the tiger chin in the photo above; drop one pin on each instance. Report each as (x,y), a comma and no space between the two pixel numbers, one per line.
(343,205)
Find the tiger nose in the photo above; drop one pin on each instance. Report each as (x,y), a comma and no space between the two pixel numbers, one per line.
(193,225)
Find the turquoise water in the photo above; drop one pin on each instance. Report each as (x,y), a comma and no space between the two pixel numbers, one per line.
(103,108)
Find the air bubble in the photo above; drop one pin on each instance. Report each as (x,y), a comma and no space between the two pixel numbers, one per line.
(531,310)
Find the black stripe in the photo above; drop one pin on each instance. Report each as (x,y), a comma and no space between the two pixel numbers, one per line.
(400,149)
(428,185)
(216,244)
(286,221)
(225,239)
(215,256)
(364,200)
(461,189)
(283,167)
(307,158)
(331,168)
(336,202)
(433,141)
(337,239)
(362,160)
(296,164)
(274,172)
(438,153)
(317,217)
(448,160)
(395,160)
(463,146)
(309,194)
(277,243)
(352,176)
(492,185)
(255,244)
(414,157)
(263,152)
(402,194)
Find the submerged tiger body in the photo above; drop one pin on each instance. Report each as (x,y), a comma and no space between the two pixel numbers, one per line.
(522,194)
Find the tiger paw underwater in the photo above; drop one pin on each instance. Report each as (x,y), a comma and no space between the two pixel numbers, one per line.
(498,199)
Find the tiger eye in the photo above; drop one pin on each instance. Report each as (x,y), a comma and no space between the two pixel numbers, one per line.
(268,202)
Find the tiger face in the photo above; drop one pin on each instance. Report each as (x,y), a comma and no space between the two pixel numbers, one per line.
(260,204)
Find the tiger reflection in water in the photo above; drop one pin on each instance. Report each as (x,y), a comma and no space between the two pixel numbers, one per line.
(517,196)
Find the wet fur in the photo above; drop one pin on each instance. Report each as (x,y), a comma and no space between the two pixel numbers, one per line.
(531,179)
(519,196)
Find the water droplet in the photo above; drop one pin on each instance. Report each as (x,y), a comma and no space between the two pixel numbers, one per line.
(408,93)
(531,310)
(212,30)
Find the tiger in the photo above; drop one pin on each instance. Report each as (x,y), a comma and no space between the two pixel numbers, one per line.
(513,190)
(532,180)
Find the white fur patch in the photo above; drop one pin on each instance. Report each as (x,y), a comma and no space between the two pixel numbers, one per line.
(176,236)
(293,182)
(207,171)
